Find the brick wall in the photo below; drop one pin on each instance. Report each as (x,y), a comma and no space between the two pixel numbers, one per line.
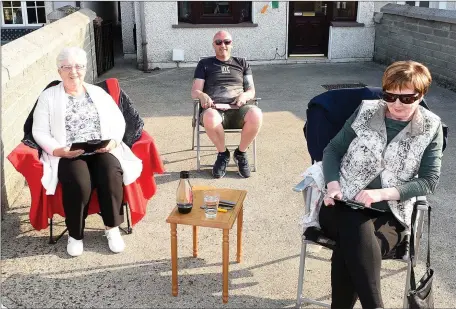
(425,35)
(28,65)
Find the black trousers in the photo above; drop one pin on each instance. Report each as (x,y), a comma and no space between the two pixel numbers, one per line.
(362,238)
(78,177)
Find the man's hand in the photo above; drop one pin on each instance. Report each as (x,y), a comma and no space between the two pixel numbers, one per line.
(65,152)
(241,99)
(111,145)
(206,101)
(368,197)
(333,191)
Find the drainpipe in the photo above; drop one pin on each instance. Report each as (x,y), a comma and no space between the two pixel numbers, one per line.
(143,37)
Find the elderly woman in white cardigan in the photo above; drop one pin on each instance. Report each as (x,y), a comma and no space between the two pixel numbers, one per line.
(72,112)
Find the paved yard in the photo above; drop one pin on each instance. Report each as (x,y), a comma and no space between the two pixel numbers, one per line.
(36,274)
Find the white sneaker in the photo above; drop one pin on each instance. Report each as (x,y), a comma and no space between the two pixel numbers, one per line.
(115,240)
(74,247)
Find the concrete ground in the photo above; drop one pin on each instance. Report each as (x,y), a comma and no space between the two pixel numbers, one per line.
(36,274)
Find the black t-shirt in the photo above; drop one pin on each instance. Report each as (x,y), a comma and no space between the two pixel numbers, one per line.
(223,80)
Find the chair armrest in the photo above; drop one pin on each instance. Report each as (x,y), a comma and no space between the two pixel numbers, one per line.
(255,101)
(305,183)
(421,203)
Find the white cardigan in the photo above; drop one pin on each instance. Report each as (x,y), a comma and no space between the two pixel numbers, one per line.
(50,133)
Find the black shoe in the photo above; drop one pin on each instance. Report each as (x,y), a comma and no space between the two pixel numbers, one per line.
(240,158)
(219,169)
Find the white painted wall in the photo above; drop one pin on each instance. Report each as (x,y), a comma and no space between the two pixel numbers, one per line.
(128,22)
(254,43)
(354,43)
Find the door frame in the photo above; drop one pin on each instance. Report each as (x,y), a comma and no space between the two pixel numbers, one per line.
(289,27)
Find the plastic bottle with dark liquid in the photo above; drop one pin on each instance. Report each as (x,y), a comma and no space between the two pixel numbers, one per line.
(184,195)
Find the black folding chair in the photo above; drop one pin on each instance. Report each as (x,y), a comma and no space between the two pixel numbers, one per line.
(326,115)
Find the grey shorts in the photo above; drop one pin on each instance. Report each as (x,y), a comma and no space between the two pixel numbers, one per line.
(232,118)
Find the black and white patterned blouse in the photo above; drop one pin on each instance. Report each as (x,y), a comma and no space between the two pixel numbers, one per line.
(82,122)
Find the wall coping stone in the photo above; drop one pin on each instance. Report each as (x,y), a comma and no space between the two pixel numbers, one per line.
(19,54)
(346,24)
(447,16)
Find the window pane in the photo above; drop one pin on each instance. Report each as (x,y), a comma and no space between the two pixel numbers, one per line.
(16,4)
(40,3)
(30,3)
(7,16)
(218,8)
(345,10)
(6,4)
(41,15)
(185,10)
(424,4)
(314,8)
(412,3)
(31,16)
(245,14)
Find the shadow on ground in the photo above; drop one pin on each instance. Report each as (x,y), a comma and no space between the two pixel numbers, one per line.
(133,285)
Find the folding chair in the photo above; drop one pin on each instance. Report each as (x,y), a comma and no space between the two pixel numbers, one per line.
(198,129)
(25,158)
(318,135)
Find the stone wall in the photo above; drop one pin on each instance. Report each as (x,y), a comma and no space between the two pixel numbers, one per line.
(421,34)
(28,65)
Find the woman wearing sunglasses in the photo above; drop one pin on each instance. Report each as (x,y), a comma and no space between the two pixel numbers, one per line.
(388,152)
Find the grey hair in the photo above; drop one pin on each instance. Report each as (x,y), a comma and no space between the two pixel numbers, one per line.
(75,52)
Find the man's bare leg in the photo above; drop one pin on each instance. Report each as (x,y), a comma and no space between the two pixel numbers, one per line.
(253,120)
(213,125)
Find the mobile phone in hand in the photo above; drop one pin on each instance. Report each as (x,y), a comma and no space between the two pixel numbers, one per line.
(355,204)
(351,203)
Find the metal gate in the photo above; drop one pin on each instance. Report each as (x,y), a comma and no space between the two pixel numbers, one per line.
(104,45)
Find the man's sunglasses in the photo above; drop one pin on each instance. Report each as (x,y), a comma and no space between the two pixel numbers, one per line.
(219,42)
(404,98)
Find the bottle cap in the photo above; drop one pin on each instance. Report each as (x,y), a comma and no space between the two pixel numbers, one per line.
(184,174)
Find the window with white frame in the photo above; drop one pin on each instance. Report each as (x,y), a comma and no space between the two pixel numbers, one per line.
(23,13)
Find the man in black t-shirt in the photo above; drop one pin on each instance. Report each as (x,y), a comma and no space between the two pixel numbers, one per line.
(224,84)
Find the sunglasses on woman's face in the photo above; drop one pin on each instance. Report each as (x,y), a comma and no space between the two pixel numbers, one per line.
(404,98)
(219,42)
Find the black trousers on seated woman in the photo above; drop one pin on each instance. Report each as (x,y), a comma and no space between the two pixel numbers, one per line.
(78,177)
(362,238)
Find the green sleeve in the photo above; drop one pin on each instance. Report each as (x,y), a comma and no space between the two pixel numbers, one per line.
(336,149)
(428,173)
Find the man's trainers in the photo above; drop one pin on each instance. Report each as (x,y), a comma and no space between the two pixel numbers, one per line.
(219,169)
(75,247)
(240,158)
(115,240)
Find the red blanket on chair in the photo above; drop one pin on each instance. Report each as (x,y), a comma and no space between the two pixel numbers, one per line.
(26,161)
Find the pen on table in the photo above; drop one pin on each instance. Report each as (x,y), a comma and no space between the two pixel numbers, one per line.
(221,210)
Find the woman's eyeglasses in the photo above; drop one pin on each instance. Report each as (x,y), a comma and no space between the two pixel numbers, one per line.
(68,68)
(219,42)
(404,98)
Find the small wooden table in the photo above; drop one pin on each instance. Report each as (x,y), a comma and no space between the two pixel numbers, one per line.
(197,218)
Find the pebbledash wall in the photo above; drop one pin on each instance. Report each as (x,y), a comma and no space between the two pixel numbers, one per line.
(28,65)
(263,41)
(421,34)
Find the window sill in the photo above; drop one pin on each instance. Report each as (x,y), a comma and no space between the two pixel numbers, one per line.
(188,25)
(346,24)
(10,26)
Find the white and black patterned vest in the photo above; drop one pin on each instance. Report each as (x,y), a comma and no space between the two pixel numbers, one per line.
(368,155)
